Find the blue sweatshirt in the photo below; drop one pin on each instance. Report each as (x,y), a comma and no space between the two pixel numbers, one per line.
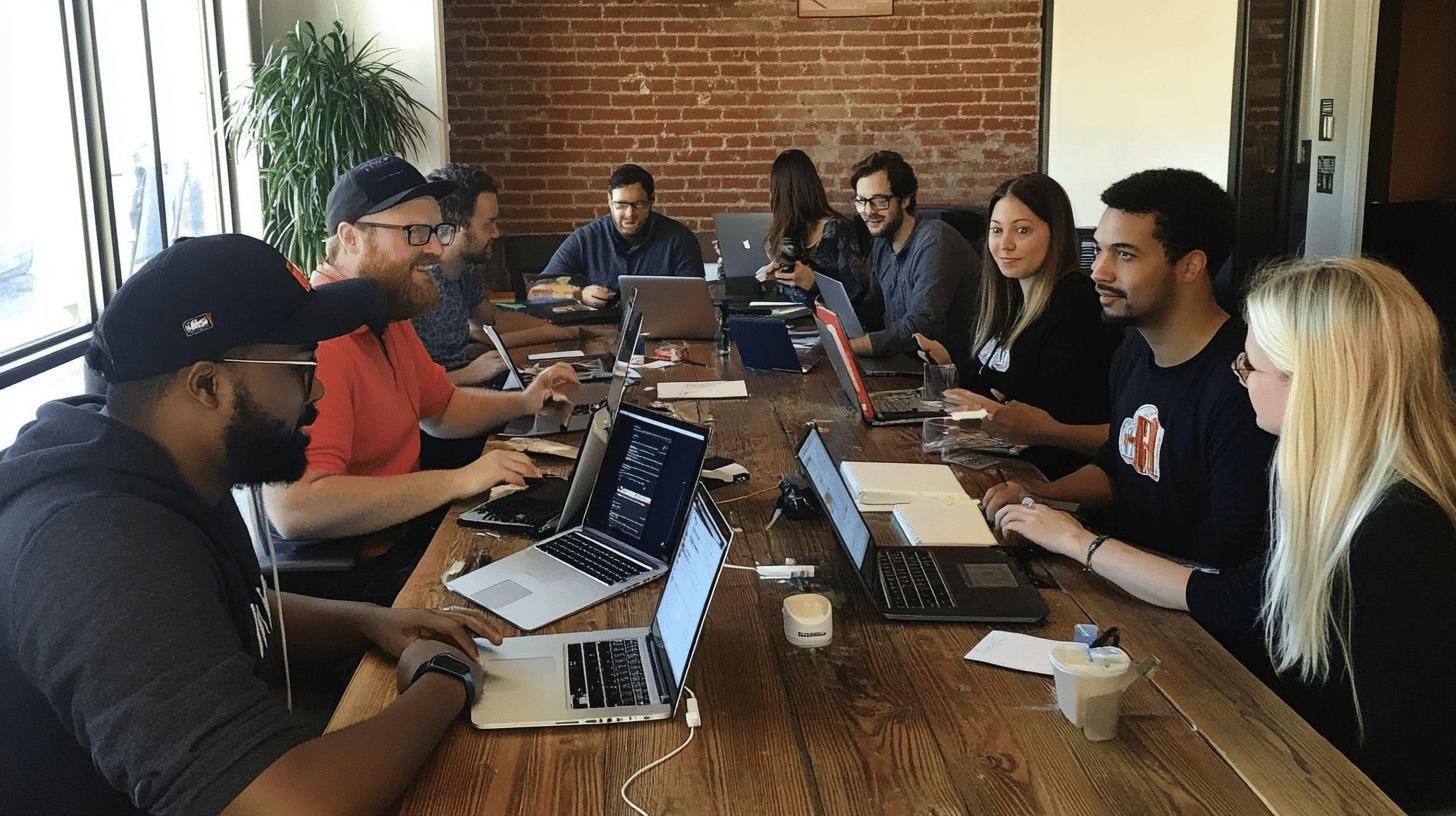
(597,254)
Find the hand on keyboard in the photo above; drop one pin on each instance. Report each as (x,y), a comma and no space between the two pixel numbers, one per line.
(493,468)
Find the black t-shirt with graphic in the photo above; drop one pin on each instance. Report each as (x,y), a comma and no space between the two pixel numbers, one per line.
(1189,465)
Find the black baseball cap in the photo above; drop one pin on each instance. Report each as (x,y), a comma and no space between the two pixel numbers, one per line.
(377,185)
(200,297)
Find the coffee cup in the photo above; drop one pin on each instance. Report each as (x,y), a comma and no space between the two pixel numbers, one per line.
(1089,686)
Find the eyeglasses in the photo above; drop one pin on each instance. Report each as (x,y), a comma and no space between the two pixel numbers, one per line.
(876,203)
(1242,369)
(309,372)
(417,234)
(634,206)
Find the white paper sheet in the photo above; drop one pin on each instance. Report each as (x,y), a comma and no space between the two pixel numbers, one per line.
(979,413)
(1013,650)
(556,355)
(654,364)
(708,389)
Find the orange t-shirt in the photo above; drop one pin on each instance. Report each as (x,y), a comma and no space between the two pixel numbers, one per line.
(377,388)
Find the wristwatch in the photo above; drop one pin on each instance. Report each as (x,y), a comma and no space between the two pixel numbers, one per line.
(446,663)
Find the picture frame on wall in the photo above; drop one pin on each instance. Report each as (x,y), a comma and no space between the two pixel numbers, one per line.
(846,8)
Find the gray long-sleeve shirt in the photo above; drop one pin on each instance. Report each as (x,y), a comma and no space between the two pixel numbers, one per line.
(929,286)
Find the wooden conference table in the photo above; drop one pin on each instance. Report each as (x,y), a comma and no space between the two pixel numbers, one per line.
(890,718)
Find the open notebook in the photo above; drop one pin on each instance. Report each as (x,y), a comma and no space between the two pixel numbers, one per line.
(935,524)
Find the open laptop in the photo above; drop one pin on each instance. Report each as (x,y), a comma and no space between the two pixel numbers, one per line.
(901,407)
(626,535)
(615,675)
(678,308)
(836,298)
(561,417)
(764,344)
(549,504)
(740,242)
(980,584)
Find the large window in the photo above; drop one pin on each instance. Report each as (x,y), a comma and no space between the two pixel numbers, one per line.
(111,151)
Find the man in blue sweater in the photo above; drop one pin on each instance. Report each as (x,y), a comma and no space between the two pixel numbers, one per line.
(631,239)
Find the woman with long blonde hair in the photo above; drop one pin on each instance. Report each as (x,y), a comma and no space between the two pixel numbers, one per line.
(1356,601)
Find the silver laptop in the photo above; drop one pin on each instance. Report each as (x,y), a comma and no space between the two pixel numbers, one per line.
(626,535)
(678,308)
(740,242)
(561,417)
(836,298)
(615,675)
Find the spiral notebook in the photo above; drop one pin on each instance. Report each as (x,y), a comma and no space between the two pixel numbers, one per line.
(943,525)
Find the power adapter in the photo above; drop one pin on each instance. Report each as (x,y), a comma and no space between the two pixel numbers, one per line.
(796,499)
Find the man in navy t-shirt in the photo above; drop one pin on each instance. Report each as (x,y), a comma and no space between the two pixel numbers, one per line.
(1184,468)
(631,239)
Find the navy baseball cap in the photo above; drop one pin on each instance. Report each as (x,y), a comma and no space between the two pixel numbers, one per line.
(377,185)
(200,297)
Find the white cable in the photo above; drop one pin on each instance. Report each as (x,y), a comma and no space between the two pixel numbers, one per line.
(260,518)
(694,722)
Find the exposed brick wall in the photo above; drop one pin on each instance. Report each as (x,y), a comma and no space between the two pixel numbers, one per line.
(550,94)
(1266,63)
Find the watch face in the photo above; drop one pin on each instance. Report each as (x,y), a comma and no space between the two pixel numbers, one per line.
(452,663)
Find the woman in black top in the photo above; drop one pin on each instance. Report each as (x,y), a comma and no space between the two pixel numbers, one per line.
(1356,600)
(807,237)
(1042,351)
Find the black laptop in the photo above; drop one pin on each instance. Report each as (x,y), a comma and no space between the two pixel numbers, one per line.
(976,584)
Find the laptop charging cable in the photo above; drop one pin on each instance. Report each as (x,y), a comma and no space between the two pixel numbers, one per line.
(695,721)
(787,571)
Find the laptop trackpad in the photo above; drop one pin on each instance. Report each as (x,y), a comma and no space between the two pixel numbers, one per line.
(520,690)
(498,595)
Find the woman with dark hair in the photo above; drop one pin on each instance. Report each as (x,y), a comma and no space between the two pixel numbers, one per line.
(807,237)
(1041,350)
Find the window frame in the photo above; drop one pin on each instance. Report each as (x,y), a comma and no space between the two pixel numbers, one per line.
(93,169)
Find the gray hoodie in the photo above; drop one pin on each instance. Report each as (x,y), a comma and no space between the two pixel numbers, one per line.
(133,637)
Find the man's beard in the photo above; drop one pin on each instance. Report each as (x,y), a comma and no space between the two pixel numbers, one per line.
(264,450)
(401,297)
(476,255)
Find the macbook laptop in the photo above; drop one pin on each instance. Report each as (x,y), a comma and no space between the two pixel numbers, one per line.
(677,308)
(836,298)
(626,535)
(980,584)
(764,344)
(561,417)
(901,407)
(615,675)
(549,504)
(740,242)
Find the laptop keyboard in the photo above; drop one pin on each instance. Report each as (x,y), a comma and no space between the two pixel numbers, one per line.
(895,401)
(591,558)
(606,674)
(910,579)
(536,505)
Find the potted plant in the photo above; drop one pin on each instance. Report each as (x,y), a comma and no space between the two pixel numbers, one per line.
(318,105)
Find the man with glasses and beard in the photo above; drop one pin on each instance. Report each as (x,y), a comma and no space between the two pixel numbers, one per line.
(923,272)
(631,239)
(1184,468)
(364,489)
(452,330)
(140,649)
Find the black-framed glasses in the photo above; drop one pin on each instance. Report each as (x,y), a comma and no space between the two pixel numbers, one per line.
(876,203)
(308,368)
(634,206)
(418,234)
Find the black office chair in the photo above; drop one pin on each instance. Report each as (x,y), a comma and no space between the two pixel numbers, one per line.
(526,257)
(969,221)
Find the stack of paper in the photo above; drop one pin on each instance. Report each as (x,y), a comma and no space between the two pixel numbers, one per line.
(879,486)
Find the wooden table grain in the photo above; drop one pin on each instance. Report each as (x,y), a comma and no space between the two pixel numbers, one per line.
(889,718)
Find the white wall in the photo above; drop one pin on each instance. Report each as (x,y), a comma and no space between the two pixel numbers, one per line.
(1137,85)
(1342,68)
(412,26)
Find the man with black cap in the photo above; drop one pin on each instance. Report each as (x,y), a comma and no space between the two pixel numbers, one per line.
(363,483)
(139,647)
